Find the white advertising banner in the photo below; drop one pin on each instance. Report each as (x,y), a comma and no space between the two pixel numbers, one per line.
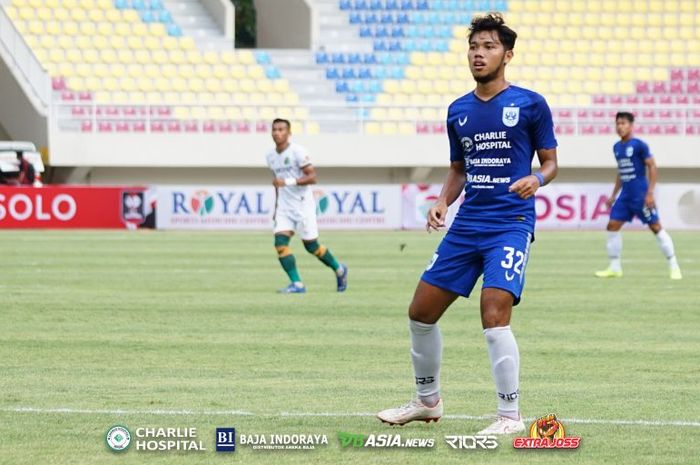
(251,207)
(571,206)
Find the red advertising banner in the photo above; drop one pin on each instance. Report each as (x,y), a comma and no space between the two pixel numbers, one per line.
(64,207)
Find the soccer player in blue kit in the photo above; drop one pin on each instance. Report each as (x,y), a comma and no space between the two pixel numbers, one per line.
(636,199)
(493,132)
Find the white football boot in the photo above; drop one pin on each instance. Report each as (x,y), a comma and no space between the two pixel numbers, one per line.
(415,410)
(503,425)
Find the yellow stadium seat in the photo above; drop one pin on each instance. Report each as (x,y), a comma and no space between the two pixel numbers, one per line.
(119,97)
(35,27)
(425,87)
(131,16)
(127,84)
(145,84)
(142,56)
(281,85)
(237,71)
(194,57)
(389,129)
(220,71)
(228,57)
(395,114)
(413,72)
(247,85)
(312,128)
(91,56)
(222,97)
(160,57)
(211,57)
(407,129)
(256,72)
(93,84)
(26,13)
(125,56)
(187,71)
(100,70)
(246,57)
(96,15)
(203,71)
(114,16)
(83,42)
(451,59)
(213,85)
(57,55)
(139,29)
(408,87)
(177,57)
(230,85)
(105,4)
(187,43)
(122,29)
(157,30)
(134,70)
(435,58)
(76,83)
(430,72)
(167,70)
(170,43)
(78,14)
(418,58)
(291,98)
(264,86)
(178,84)
(301,113)
(151,43)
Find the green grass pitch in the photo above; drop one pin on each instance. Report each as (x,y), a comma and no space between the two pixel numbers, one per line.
(155,323)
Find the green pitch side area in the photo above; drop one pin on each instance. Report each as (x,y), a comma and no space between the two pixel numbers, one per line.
(185,330)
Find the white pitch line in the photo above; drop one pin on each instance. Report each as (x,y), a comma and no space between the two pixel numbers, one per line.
(583,421)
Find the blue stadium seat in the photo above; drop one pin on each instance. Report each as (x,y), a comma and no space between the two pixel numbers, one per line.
(380,46)
(365,31)
(332,73)
(409,45)
(397,31)
(371,18)
(262,58)
(375,87)
(376,5)
(138,4)
(338,58)
(369,98)
(355,18)
(381,31)
(395,46)
(365,73)
(321,58)
(156,5)
(272,73)
(349,73)
(422,5)
(164,16)
(147,16)
(407,5)
(391,5)
(379,72)
(354,58)
(351,98)
(121,4)
(369,58)
(402,18)
(341,87)
(345,4)
(174,30)
(386,18)
(360,5)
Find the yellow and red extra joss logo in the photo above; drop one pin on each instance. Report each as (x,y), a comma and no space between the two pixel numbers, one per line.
(547,432)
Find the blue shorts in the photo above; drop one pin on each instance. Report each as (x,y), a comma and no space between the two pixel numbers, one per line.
(625,209)
(461,257)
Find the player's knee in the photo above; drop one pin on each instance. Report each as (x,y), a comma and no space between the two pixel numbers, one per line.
(655,227)
(282,245)
(495,313)
(314,248)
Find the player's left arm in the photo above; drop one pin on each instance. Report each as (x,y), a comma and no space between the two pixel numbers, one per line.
(652,170)
(527,186)
(308,177)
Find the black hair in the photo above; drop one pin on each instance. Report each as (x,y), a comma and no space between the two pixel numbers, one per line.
(625,115)
(281,120)
(494,22)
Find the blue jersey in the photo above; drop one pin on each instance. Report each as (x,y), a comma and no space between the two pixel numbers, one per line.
(497,140)
(630,156)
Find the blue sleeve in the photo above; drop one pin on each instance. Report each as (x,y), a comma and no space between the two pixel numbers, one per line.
(456,152)
(542,129)
(644,151)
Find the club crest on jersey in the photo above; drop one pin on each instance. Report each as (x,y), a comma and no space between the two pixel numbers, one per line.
(511,116)
(629,151)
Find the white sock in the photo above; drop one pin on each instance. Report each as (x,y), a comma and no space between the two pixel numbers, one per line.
(666,245)
(614,246)
(505,365)
(426,352)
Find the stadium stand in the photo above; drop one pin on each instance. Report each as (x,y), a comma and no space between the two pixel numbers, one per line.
(127,65)
(111,57)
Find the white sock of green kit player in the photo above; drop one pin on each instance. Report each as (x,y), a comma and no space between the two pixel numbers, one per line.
(666,245)
(426,352)
(614,246)
(505,366)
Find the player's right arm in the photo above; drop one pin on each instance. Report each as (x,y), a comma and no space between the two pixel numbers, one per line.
(616,190)
(454,184)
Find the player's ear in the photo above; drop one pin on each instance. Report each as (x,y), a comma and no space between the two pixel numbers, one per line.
(508,56)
